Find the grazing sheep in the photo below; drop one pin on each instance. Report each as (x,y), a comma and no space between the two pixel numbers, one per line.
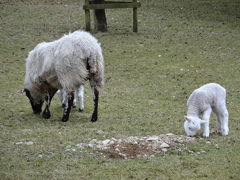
(204,100)
(66,64)
(79,93)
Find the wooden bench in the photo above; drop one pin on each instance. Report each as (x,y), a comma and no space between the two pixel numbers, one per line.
(91,4)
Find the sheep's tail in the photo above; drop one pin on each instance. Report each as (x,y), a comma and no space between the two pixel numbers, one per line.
(96,68)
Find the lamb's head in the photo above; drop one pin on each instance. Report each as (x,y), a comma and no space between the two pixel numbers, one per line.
(36,100)
(192,125)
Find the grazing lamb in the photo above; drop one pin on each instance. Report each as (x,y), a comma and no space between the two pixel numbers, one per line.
(79,93)
(66,64)
(208,98)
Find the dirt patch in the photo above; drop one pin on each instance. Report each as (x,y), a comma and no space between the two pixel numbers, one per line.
(135,147)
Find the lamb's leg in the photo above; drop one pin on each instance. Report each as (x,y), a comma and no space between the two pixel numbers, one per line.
(222,118)
(67,106)
(80,95)
(63,97)
(95,93)
(75,100)
(46,113)
(206,117)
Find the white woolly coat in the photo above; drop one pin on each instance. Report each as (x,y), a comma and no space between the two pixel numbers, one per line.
(65,63)
(211,94)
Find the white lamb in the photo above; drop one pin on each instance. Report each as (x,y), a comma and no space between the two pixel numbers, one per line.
(78,96)
(204,100)
(66,64)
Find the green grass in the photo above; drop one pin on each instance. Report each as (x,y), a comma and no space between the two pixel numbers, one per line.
(180,46)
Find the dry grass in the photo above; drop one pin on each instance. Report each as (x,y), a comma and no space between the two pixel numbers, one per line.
(149,75)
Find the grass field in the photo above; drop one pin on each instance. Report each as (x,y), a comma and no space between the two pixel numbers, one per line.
(180,46)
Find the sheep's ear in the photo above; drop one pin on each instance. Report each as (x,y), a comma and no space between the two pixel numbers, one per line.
(27,93)
(21,91)
(187,119)
(203,121)
(25,90)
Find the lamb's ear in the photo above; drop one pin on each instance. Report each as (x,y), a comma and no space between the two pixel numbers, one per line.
(203,121)
(187,119)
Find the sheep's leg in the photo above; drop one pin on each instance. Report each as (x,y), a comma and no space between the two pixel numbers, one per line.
(80,95)
(67,107)
(222,118)
(95,93)
(46,113)
(206,117)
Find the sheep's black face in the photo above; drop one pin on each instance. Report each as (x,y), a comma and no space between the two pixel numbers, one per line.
(36,105)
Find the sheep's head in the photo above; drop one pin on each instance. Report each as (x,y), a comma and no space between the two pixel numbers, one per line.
(35,101)
(192,125)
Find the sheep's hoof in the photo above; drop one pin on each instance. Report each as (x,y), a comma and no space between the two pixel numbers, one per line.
(64,119)
(46,114)
(94,118)
(81,110)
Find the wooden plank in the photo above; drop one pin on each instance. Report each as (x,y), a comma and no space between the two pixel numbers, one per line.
(100,17)
(112,5)
(135,20)
(87,17)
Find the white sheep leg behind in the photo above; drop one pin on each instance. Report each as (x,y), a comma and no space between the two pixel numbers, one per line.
(222,118)
(78,94)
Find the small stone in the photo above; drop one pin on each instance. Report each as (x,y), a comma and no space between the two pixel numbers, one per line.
(24,143)
(80,146)
(40,155)
(18,143)
(105,142)
(152,138)
(164,149)
(68,146)
(208,142)
(93,141)
(100,132)
(50,153)
(164,145)
(91,145)
(113,139)
(169,134)
(29,143)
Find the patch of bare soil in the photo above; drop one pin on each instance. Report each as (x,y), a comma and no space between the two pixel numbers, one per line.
(135,147)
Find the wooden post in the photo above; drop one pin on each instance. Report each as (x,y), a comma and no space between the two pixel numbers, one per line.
(100,18)
(135,21)
(87,17)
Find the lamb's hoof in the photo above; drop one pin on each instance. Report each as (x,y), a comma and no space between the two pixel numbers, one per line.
(223,132)
(205,135)
(74,105)
(80,110)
